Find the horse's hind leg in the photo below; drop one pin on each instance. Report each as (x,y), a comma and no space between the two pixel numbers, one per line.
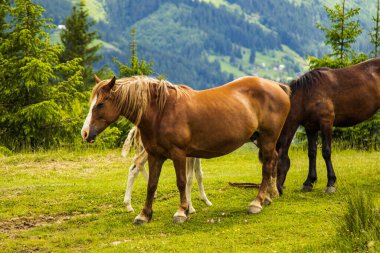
(326,153)
(132,175)
(312,137)
(199,176)
(268,156)
(189,182)
(138,166)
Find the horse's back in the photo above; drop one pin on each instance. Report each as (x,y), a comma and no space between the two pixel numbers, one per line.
(348,95)
(227,116)
(358,88)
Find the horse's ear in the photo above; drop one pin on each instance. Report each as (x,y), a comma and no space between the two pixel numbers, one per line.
(110,85)
(97,79)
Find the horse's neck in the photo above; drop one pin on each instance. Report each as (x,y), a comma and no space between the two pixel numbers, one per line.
(149,118)
(139,114)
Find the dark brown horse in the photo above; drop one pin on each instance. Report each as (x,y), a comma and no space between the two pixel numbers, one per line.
(176,122)
(324,98)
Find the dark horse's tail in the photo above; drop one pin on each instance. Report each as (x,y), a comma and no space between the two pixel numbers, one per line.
(286,88)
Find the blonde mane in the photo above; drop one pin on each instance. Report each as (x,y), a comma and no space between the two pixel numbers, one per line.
(133,95)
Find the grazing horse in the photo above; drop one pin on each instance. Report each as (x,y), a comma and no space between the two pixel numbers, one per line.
(324,98)
(176,122)
(193,166)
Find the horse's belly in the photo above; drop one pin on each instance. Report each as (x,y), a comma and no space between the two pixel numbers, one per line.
(212,152)
(212,146)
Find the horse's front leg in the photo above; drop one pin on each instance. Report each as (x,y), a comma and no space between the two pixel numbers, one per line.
(312,137)
(283,165)
(155,166)
(180,170)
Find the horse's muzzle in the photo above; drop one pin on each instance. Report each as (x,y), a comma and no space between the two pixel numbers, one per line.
(89,135)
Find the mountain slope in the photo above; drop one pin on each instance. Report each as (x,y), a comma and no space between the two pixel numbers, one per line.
(209,42)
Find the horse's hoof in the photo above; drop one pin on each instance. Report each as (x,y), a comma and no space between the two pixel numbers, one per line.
(280,190)
(138,222)
(307,188)
(207,202)
(254,209)
(192,210)
(129,208)
(330,189)
(179,219)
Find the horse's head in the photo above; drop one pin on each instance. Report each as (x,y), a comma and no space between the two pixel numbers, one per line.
(103,110)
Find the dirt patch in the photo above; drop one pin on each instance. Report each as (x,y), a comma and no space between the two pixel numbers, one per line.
(25,223)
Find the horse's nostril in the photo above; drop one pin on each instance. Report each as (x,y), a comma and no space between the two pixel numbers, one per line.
(85,135)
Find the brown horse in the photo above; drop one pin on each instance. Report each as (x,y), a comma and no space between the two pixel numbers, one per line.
(176,122)
(324,98)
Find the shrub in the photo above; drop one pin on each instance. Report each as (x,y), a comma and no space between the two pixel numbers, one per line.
(4,151)
(359,228)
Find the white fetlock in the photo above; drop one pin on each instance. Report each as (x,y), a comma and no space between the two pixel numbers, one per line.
(140,219)
(274,193)
(272,188)
(255,207)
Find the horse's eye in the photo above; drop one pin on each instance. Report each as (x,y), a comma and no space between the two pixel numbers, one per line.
(100,105)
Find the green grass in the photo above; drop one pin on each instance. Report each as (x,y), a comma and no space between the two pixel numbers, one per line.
(61,201)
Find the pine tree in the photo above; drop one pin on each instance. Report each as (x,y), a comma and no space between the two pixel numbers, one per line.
(79,41)
(4,9)
(375,36)
(35,98)
(136,66)
(340,37)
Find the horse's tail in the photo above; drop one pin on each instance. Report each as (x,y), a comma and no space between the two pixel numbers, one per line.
(286,88)
(133,139)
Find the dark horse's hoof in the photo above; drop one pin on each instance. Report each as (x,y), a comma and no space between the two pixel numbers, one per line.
(139,222)
(307,188)
(330,189)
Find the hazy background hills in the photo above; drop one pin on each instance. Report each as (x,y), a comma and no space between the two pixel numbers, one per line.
(210,42)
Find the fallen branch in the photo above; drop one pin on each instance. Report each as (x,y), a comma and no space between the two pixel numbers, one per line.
(244,185)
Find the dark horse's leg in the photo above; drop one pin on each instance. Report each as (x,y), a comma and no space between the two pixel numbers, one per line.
(155,166)
(283,165)
(312,137)
(326,153)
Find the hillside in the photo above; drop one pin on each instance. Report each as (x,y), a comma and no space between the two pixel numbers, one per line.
(209,42)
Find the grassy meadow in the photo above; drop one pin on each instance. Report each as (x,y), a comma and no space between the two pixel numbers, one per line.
(72,201)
